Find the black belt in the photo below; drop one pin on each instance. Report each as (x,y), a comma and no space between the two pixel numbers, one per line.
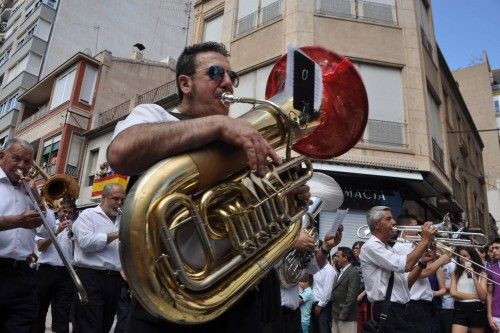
(53,267)
(101,271)
(394,304)
(9,262)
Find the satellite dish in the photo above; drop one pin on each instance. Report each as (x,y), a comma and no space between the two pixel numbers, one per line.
(87,51)
(327,189)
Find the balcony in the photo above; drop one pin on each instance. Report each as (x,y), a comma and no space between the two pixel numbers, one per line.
(34,117)
(382,132)
(437,154)
(358,9)
(258,18)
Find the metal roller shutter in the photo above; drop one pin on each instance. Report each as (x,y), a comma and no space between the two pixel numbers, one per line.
(353,220)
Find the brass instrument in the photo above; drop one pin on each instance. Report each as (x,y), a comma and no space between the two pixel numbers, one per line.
(448,238)
(56,186)
(326,194)
(199,230)
(291,270)
(76,280)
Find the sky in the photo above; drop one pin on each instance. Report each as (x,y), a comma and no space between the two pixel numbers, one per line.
(464,28)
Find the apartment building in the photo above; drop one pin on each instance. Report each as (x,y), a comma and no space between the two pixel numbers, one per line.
(480,87)
(58,111)
(37,36)
(406,159)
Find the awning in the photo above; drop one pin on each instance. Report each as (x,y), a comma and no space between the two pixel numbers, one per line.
(368,171)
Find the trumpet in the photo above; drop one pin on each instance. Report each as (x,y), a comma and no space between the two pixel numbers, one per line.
(78,283)
(444,236)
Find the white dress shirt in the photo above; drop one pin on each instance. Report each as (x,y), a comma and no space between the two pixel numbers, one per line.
(91,247)
(50,255)
(15,243)
(144,114)
(421,289)
(323,284)
(447,300)
(188,239)
(377,261)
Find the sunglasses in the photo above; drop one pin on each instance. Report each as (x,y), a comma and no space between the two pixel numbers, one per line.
(216,73)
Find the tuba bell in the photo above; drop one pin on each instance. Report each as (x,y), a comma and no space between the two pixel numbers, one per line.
(199,230)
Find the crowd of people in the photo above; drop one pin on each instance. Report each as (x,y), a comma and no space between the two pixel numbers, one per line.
(405,287)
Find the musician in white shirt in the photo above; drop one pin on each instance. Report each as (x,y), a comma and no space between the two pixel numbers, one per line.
(55,286)
(97,261)
(378,259)
(421,293)
(18,221)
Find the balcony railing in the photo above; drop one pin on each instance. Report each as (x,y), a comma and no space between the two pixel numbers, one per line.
(158,93)
(385,133)
(358,9)
(458,193)
(114,113)
(71,170)
(151,96)
(258,18)
(437,153)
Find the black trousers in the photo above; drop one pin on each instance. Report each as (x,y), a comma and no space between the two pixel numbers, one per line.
(420,315)
(103,289)
(445,320)
(323,322)
(18,305)
(240,318)
(54,287)
(288,322)
(123,308)
(397,317)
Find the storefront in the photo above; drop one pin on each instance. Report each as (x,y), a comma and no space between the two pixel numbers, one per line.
(362,192)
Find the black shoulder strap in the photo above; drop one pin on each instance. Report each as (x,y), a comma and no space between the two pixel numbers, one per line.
(387,302)
(180,116)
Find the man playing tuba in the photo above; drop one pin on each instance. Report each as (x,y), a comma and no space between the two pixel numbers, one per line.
(151,134)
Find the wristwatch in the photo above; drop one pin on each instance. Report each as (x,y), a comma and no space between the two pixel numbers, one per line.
(421,264)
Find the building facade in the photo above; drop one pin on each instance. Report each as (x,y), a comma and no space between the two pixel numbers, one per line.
(59,110)
(37,36)
(480,87)
(406,159)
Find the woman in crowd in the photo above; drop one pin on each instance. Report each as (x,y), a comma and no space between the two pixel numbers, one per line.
(468,287)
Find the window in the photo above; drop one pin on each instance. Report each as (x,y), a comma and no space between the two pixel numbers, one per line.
(213,29)
(3,140)
(254,13)
(9,104)
(49,154)
(88,84)
(17,69)
(63,88)
(386,123)
(437,140)
(382,11)
(5,56)
(75,150)
(425,27)
(497,106)
(92,166)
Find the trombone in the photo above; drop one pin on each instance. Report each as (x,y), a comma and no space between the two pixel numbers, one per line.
(82,294)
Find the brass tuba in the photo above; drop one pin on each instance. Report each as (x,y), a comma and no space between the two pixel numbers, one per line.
(199,230)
